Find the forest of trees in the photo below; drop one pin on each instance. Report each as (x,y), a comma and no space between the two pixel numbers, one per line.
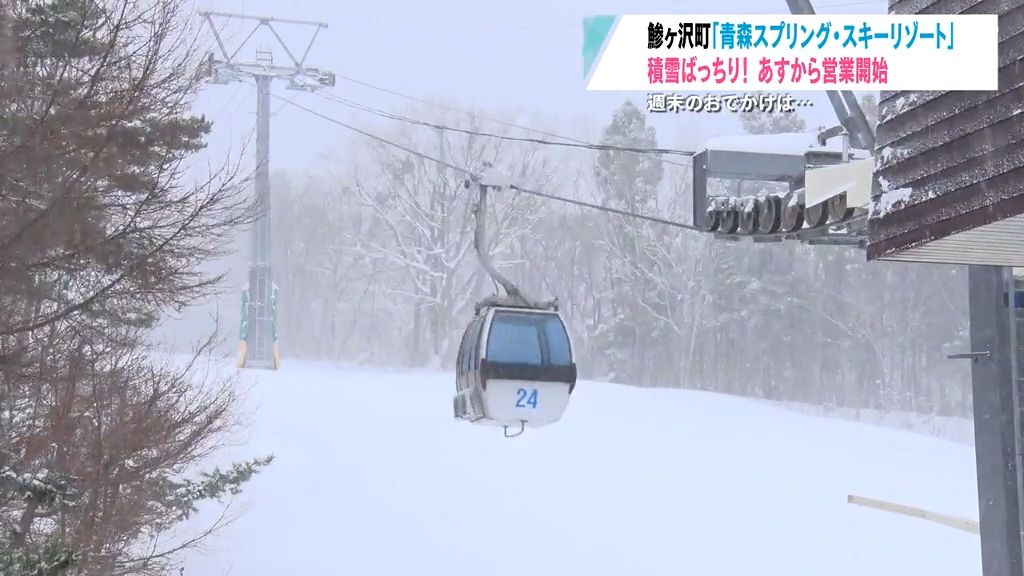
(375,264)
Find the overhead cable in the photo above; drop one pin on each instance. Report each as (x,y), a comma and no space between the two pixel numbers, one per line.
(586,145)
(373,136)
(609,209)
(505,123)
(474,176)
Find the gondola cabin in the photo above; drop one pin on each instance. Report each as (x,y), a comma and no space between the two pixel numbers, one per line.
(515,368)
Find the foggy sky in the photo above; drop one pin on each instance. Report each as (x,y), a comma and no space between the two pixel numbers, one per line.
(500,56)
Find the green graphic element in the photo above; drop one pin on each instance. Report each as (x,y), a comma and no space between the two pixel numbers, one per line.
(595,33)
(244,328)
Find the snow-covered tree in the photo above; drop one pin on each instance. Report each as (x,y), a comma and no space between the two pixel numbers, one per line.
(394,232)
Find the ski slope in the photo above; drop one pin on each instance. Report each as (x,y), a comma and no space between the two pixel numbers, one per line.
(373,476)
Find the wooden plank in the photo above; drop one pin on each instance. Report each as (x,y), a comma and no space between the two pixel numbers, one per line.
(952,521)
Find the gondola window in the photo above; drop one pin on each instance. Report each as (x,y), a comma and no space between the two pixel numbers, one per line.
(515,339)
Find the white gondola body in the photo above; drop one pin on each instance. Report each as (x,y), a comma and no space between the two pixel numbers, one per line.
(507,402)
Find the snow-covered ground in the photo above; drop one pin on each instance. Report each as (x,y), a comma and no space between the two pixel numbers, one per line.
(960,430)
(373,476)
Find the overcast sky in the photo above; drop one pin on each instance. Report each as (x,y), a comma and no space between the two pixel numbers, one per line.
(522,56)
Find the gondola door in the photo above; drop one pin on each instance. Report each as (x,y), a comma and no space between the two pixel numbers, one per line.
(468,402)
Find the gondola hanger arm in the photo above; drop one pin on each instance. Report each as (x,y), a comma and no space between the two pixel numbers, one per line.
(513,295)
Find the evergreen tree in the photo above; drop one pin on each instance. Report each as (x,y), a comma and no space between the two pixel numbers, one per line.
(100,233)
(629,181)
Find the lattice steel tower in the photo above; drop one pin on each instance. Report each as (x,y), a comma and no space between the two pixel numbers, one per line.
(258,342)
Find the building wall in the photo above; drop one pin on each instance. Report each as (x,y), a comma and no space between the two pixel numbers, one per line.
(951,161)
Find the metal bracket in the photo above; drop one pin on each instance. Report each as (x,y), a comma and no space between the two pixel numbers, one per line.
(826,134)
(522,428)
(513,295)
(970,355)
(297,73)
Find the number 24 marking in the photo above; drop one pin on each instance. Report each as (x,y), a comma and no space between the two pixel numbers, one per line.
(526,399)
